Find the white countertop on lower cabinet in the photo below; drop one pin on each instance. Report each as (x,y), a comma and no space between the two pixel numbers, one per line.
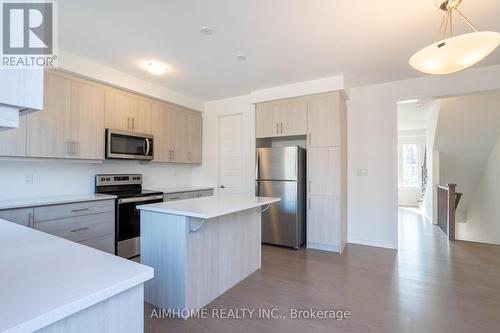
(209,207)
(180,189)
(52,200)
(44,278)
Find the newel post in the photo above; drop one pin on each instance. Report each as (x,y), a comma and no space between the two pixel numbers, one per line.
(451,211)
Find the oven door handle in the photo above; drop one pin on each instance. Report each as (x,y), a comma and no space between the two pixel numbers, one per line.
(141,199)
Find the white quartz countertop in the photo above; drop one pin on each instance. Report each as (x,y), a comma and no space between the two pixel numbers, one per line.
(209,207)
(44,278)
(180,189)
(52,200)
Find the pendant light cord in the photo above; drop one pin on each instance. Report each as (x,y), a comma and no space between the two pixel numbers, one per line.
(448,21)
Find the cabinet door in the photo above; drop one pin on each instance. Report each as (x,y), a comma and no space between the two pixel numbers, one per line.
(268,120)
(13,141)
(22,216)
(87,121)
(294,118)
(194,137)
(179,135)
(323,120)
(160,126)
(117,110)
(48,130)
(140,114)
(324,220)
(324,171)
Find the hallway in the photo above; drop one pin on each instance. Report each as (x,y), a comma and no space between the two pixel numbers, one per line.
(429,285)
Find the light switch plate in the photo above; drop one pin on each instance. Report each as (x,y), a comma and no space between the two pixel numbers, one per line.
(362,172)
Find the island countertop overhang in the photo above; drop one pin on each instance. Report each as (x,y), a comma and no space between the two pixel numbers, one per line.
(209,207)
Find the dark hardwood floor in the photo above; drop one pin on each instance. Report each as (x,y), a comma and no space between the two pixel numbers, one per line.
(429,285)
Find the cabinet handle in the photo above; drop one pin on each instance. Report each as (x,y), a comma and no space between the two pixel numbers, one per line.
(128,122)
(79,210)
(174,198)
(189,155)
(133,123)
(309,183)
(281,128)
(309,203)
(74,147)
(173,154)
(309,139)
(79,229)
(31,220)
(277,132)
(68,147)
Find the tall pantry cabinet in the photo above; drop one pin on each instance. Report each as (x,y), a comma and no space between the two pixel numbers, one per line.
(321,122)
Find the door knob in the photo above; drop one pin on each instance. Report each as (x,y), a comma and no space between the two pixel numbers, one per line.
(222,186)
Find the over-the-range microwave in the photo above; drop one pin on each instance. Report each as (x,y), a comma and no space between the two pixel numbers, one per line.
(129,145)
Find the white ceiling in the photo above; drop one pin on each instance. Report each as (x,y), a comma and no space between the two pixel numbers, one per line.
(286,41)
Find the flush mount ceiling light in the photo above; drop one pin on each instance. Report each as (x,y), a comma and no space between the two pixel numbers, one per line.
(455,53)
(155,67)
(206,31)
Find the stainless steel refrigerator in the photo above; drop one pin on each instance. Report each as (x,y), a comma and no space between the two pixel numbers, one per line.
(281,172)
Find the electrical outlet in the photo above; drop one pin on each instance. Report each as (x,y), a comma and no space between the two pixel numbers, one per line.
(362,172)
(28,179)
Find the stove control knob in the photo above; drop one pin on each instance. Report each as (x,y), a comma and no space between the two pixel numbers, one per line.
(108,179)
(103,179)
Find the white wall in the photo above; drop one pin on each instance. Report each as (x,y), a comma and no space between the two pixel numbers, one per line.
(207,173)
(57,177)
(372,213)
(483,216)
(430,196)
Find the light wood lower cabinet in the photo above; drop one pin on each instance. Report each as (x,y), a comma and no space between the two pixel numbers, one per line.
(22,216)
(324,222)
(324,171)
(187,195)
(91,223)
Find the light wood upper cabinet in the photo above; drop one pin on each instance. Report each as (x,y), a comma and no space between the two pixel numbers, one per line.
(48,130)
(324,171)
(127,112)
(140,114)
(13,141)
(86,133)
(117,110)
(281,118)
(195,124)
(177,134)
(324,121)
(294,118)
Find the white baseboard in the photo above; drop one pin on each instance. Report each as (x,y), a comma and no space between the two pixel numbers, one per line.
(324,247)
(375,243)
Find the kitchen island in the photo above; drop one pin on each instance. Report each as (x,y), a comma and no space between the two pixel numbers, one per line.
(200,248)
(49,284)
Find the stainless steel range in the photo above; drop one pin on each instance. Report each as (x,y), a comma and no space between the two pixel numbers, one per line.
(129,192)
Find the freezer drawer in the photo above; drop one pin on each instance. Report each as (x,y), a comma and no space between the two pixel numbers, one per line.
(282,223)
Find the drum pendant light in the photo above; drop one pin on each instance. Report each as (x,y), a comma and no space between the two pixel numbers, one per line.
(455,53)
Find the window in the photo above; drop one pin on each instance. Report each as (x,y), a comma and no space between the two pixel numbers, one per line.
(410,176)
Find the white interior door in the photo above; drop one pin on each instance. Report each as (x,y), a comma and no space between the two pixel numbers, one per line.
(231,157)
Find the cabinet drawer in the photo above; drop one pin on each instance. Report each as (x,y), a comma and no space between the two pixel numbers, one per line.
(105,243)
(205,193)
(74,209)
(80,228)
(177,196)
